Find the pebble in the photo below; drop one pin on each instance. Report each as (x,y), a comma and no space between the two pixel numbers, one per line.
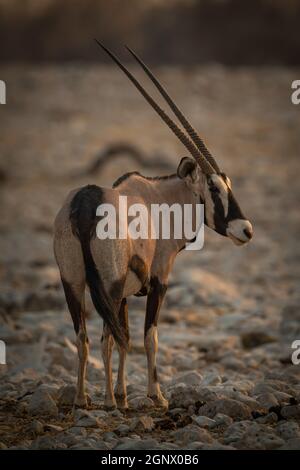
(204,422)
(270,418)
(142,424)
(53,427)
(193,378)
(122,430)
(252,339)
(70,439)
(89,422)
(214,446)
(212,379)
(267,400)
(222,420)
(36,427)
(291,411)
(108,436)
(231,362)
(78,431)
(43,443)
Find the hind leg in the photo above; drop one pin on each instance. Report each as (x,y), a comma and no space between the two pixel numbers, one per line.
(75,300)
(154,301)
(69,258)
(120,388)
(107,344)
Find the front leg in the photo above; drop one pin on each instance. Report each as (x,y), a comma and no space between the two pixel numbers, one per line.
(154,301)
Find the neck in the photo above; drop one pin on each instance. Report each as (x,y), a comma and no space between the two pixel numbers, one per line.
(175,191)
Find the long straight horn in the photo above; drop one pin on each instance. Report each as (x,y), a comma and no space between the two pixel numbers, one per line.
(187,126)
(204,164)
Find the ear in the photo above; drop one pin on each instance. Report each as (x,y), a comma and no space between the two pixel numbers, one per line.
(188,169)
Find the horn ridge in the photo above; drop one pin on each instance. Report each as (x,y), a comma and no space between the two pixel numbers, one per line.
(180,116)
(184,139)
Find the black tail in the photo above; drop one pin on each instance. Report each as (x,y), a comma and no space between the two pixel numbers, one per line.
(83,220)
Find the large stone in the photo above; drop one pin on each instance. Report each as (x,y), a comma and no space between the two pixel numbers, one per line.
(84,418)
(137,444)
(192,378)
(291,444)
(292,411)
(288,430)
(226,406)
(141,403)
(251,435)
(191,433)
(222,420)
(235,431)
(41,403)
(260,441)
(66,395)
(270,418)
(53,390)
(43,443)
(182,396)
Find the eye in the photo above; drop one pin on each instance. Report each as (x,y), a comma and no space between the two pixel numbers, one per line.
(214,189)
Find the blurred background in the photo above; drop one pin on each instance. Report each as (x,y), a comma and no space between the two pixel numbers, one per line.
(72,118)
(232,32)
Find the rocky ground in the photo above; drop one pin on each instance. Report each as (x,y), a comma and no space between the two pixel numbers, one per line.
(230,315)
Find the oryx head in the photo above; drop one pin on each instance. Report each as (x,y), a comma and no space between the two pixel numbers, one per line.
(201,172)
(222,212)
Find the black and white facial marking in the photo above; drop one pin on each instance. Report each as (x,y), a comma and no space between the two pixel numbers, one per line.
(222,212)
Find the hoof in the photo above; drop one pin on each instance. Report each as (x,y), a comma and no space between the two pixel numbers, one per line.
(159,401)
(82,402)
(122,402)
(109,404)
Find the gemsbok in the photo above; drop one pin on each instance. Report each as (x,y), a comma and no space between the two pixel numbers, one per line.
(115,269)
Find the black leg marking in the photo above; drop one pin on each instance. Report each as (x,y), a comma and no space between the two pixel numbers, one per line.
(154,301)
(73,304)
(123,316)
